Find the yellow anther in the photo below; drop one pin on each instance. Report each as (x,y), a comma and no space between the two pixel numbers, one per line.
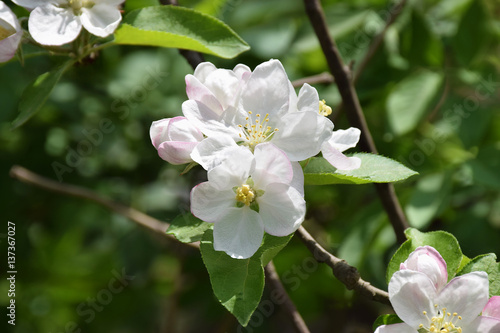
(324,109)
(245,194)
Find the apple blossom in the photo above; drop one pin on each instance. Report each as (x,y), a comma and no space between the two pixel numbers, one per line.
(10,33)
(247,194)
(338,142)
(57,22)
(175,138)
(424,301)
(257,107)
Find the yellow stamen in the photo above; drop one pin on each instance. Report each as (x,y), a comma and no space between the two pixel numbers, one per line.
(324,109)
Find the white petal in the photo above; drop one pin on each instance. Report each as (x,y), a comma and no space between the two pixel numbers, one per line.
(298,178)
(176,152)
(492,308)
(267,90)
(158,131)
(202,70)
(272,166)
(101,20)
(301,134)
(180,129)
(209,122)
(242,71)
(213,150)
(282,209)
(209,203)
(199,92)
(9,45)
(466,295)
(50,25)
(338,159)
(345,139)
(30,4)
(239,233)
(427,260)
(234,169)
(395,328)
(411,293)
(224,85)
(483,325)
(8,16)
(308,99)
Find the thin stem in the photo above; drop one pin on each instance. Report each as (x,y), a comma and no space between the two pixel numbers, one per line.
(325,78)
(136,216)
(274,283)
(344,272)
(354,112)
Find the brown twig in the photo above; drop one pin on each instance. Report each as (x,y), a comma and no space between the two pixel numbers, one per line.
(354,112)
(344,272)
(274,283)
(325,77)
(138,217)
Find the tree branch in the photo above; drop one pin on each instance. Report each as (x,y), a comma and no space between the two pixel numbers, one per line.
(354,112)
(315,79)
(134,215)
(344,272)
(274,283)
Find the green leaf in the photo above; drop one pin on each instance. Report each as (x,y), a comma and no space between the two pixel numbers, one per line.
(178,27)
(410,99)
(238,283)
(473,33)
(445,243)
(188,228)
(37,92)
(374,169)
(386,319)
(487,263)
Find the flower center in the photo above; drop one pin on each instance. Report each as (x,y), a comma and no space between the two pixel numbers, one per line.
(258,131)
(77,5)
(6,30)
(442,322)
(245,194)
(324,109)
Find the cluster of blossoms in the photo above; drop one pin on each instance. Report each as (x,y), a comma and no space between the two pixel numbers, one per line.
(424,299)
(57,22)
(249,130)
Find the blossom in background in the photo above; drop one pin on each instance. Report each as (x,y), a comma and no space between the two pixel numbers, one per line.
(338,142)
(175,138)
(10,33)
(247,194)
(422,298)
(257,107)
(57,22)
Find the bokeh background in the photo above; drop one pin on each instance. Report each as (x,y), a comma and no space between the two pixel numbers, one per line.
(431,98)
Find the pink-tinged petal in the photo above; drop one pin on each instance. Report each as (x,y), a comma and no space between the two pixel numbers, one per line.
(180,129)
(411,293)
(301,134)
(241,71)
(395,328)
(101,20)
(466,295)
(176,152)
(209,203)
(272,166)
(492,308)
(267,90)
(234,169)
(482,325)
(158,131)
(197,91)
(202,70)
(338,159)
(298,178)
(207,121)
(9,45)
(239,232)
(51,25)
(224,85)
(212,151)
(427,260)
(345,139)
(308,99)
(282,209)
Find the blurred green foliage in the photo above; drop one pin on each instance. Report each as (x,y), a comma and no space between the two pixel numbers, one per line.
(69,250)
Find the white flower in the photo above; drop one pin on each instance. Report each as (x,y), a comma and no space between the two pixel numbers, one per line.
(10,33)
(422,299)
(257,107)
(175,138)
(57,22)
(339,141)
(247,194)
